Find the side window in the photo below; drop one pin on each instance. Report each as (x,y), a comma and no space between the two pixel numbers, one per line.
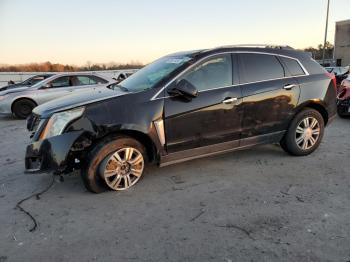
(260,67)
(29,81)
(85,80)
(36,80)
(63,81)
(99,80)
(212,73)
(293,66)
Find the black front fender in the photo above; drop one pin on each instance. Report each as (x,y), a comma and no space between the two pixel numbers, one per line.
(50,154)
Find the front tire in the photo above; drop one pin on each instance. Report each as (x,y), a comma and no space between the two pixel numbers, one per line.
(23,108)
(304,134)
(116,163)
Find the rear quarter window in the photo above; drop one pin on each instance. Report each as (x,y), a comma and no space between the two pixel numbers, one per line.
(293,66)
(310,64)
(85,80)
(99,80)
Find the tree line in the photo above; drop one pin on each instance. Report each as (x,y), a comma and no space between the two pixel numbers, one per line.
(50,67)
(56,67)
(317,52)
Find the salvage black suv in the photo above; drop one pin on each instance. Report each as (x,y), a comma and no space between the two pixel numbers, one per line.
(181,107)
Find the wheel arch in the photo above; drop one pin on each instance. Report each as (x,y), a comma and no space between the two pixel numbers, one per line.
(22,98)
(316,105)
(141,137)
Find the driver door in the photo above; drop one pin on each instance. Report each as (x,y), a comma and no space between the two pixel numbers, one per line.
(82,83)
(211,118)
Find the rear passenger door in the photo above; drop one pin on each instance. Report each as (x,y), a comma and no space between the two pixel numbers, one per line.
(81,83)
(270,95)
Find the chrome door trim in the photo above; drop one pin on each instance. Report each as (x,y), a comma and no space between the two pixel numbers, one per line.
(237,85)
(159,124)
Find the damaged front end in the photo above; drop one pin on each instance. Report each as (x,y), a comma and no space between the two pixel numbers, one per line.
(52,148)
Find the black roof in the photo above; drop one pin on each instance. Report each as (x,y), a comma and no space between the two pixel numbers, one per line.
(280,50)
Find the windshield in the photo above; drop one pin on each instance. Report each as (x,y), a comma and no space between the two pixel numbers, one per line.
(33,80)
(41,82)
(28,81)
(153,73)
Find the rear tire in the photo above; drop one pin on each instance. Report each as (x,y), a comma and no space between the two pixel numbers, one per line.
(342,111)
(304,134)
(94,169)
(23,108)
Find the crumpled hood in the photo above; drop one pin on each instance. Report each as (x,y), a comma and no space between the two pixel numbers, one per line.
(76,100)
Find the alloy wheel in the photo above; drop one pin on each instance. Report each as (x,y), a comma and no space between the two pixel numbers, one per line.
(307,133)
(122,169)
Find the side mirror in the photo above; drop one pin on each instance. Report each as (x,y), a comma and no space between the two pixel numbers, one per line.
(185,89)
(46,86)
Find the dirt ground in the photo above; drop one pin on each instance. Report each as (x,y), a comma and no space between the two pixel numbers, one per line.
(253,205)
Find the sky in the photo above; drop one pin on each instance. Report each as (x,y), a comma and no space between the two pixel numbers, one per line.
(122,31)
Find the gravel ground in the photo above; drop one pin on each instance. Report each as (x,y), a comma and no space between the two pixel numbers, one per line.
(253,205)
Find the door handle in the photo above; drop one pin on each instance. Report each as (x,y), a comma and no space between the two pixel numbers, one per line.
(230,100)
(289,86)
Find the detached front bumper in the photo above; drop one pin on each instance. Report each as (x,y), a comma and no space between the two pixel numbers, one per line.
(52,154)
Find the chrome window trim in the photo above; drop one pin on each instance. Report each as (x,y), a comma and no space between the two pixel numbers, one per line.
(221,87)
(232,52)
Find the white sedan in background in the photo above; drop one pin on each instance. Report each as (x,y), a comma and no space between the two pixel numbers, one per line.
(21,101)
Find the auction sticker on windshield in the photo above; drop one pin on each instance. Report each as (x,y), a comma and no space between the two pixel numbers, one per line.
(177,60)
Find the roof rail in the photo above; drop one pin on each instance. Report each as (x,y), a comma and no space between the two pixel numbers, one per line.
(286,47)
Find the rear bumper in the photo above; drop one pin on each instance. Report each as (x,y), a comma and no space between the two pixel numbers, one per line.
(50,154)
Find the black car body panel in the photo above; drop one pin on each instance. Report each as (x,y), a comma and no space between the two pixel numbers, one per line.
(207,116)
(173,128)
(75,100)
(313,93)
(268,107)
(51,153)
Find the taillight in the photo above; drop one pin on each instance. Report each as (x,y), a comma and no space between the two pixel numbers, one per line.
(334,80)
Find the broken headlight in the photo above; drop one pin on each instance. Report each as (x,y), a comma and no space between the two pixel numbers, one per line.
(59,121)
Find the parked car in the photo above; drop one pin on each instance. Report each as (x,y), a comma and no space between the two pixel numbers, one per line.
(121,77)
(343,101)
(21,101)
(181,107)
(340,72)
(27,83)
